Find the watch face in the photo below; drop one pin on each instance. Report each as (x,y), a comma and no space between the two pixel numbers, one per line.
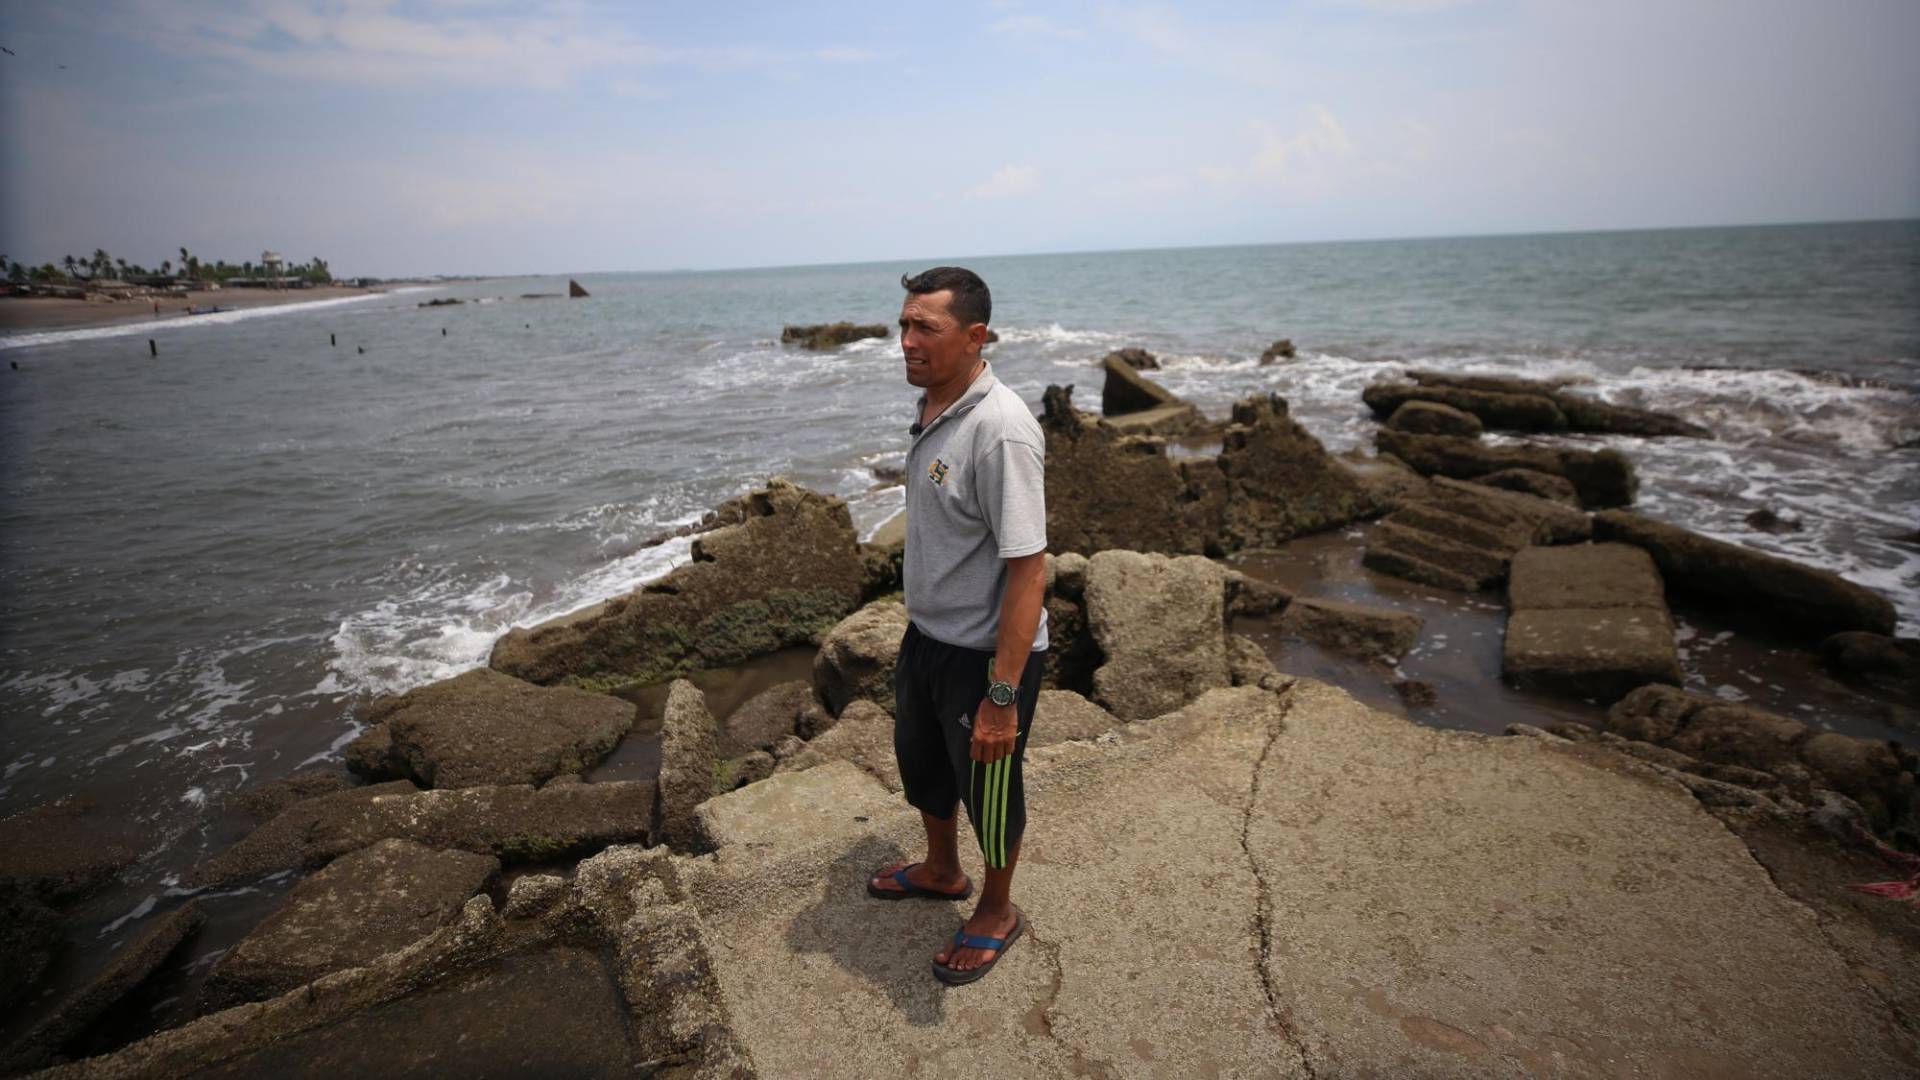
(1001,694)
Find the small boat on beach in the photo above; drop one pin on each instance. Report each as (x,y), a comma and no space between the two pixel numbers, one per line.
(206,309)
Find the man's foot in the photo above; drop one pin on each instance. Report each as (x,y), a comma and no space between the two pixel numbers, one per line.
(997,924)
(954,886)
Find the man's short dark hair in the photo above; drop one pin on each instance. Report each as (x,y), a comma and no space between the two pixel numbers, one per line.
(971,302)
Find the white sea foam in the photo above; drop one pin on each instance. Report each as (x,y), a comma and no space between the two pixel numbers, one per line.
(175,322)
(445,624)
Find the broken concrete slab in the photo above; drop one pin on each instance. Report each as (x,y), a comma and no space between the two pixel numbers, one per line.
(856,658)
(689,762)
(1585,576)
(356,909)
(1576,926)
(1064,716)
(1359,630)
(763,719)
(482,727)
(791,809)
(1127,391)
(515,823)
(1161,624)
(1596,653)
(864,736)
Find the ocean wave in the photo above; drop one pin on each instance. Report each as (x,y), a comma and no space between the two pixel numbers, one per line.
(1054,336)
(448,623)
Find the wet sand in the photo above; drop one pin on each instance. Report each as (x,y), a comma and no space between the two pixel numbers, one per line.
(47,313)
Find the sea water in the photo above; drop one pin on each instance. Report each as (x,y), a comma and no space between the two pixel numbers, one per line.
(213,555)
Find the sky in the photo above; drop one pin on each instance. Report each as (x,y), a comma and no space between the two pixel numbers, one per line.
(401,137)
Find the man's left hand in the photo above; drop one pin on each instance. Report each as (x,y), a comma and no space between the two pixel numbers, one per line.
(995,729)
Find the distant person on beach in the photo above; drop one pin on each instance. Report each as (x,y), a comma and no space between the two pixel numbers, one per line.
(968,675)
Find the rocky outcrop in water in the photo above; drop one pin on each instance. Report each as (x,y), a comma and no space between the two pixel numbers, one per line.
(1525,405)
(1752,586)
(783,575)
(1137,359)
(830,335)
(1270,482)
(1433,418)
(1137,405)
(1601,477)
(1279,350)
(482,727)
(574,290)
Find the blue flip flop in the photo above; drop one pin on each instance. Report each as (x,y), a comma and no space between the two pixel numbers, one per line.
(909,890)
(980,941)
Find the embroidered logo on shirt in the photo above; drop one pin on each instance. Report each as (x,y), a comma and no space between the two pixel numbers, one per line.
(937,473)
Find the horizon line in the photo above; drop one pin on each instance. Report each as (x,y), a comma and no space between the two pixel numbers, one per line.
(1214,247)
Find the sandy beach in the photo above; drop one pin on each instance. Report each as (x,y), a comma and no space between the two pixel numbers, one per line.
(48,313)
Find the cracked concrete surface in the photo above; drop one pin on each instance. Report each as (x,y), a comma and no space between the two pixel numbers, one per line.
(1277,885)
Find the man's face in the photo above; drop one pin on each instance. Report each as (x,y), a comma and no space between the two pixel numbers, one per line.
(937,347)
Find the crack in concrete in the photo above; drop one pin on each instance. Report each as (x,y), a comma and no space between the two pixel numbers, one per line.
(1820,921)
(1262,913)
(1043,1012)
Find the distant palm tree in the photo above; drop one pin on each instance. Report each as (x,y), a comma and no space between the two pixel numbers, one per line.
(184,258)
(101,262)
(123,268)
(166,267)
(72,264)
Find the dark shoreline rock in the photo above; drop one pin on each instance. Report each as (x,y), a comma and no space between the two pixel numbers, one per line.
(132,965)
(830,335)
(481,727)
(63,850)
(1601,477)
(782,576)
(1755,587)
(1575,412)
(358,908)
(1137,359)
(514,823)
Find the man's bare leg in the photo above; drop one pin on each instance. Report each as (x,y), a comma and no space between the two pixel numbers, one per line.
(992,917)
(940,870)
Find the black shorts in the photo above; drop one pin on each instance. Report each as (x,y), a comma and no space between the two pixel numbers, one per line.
(936,689)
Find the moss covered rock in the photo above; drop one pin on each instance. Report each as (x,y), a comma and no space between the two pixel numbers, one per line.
(782,576)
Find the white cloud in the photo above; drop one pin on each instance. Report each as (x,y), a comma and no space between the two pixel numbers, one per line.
(1009,181)
(379,42)
(1313,156)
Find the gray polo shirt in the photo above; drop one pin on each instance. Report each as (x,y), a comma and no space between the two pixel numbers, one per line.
(976,496)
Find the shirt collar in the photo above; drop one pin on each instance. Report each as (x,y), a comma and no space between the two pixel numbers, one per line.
(975,392)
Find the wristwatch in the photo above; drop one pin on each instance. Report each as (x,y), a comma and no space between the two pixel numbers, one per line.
(1000,693)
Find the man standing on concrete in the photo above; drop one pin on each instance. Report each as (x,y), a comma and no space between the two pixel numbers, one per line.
(968,676)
